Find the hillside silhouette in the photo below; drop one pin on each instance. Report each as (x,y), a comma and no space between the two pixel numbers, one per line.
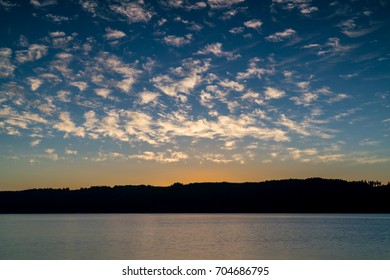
(314,195)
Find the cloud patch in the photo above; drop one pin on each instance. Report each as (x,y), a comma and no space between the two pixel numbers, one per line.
(176,41)
(6,67)
(68,126)
(112,34)
(216,49)
(33,53)
(223,4)
(281,36)
(133,12)
(253,23)
(274,93)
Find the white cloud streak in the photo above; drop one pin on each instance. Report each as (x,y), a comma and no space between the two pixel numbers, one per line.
(161,157)
(177,41)
(133,11)
(253,23)
(273,93)
(223,4)
(216,49)
(68,126)
(281,36)
(112,34)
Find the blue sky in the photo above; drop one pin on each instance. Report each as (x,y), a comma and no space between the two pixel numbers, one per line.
(154,92)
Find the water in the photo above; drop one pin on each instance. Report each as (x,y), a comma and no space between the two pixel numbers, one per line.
(194,236)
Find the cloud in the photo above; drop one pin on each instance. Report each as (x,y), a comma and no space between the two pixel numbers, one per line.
(281,36)
(173,3)
(136,126)
(6,67)
(35,143)
(369,142)
(149,64)
(223,4)
(352,30)
(90,6)
(63,96)
(226,127)
(305,155)
(349,76)
(112,34)
(32,117)
(51,154)
(126,84)
(253,71)
(34,52)
(46,105)
(165,84)
(68,126)
(206,99)
(162,157)
(215,158)
(35,83)
(232,85)
(338,97)
(273,93)
(108,126)
(109,156)
(304,6)
(254,97)
(7,5)
(133,12)
(253,23)
(109,63)
(176,41)
(308,10)
(173,88)
(57,34)
(333,46)
(70,152)
(306,128)
(148,97)
(103,92)
(216,49)
(43,3)
(371,160)
(305,99)
(190,25)
(309,155)
(60,40)
(57,18)
(311,46)
(197,6)
(237,30)
(230,145)
(17,119)
(80,85)
(298,128)
(189,78)
(12,131)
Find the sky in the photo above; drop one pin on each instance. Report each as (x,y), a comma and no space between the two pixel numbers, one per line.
(155,92)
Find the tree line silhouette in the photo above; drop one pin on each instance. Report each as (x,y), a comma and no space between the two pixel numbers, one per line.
(313,195)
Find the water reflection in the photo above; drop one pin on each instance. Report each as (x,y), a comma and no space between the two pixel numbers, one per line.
(194,236)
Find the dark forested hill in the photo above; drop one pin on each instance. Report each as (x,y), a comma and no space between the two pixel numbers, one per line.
(313,195)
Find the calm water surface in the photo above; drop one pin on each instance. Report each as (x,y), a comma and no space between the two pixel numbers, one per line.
(194,236)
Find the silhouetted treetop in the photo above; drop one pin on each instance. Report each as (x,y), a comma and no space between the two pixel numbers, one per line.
(313,195)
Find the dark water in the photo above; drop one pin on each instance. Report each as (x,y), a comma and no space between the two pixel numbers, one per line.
(194,236)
